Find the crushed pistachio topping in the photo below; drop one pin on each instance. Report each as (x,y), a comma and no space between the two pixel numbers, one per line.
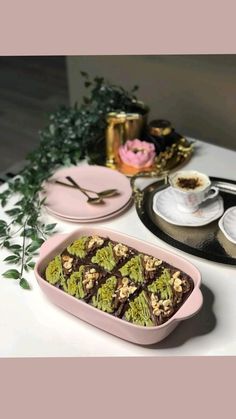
(75,284)
(95,241)
(54,273)
(63,284)
(125,290)
(138,311)
(104,257)
(162,285)
(133,269)
(78,247)
(104,299)
(161,307)
(151,263)
(120,250)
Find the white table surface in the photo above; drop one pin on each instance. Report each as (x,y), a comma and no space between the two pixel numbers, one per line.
(31,326)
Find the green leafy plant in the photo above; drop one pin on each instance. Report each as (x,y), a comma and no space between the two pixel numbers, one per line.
(73,133)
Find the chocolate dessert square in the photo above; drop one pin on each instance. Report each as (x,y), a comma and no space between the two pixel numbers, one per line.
(113,294)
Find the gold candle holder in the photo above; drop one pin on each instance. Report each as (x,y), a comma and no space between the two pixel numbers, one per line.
(114,137)
(122,126)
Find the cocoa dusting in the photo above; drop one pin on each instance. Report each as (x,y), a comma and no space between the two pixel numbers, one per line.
(188,183)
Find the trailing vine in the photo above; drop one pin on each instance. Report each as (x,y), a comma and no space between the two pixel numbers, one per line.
(73,133)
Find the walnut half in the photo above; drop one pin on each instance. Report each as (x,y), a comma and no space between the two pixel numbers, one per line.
(67,262)
(95,240)
(120,250)
(90,277)
(125,290)
(151,263)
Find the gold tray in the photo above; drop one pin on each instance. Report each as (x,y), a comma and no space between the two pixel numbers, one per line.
(170,159)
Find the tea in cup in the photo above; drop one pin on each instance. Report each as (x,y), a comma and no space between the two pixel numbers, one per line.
(191,189)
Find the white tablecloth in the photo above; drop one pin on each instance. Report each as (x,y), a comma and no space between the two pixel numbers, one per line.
(31,326)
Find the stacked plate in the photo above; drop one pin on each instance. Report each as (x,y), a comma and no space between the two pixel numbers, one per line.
(70,204)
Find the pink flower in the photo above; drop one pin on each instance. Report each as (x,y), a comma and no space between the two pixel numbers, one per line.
(137,153)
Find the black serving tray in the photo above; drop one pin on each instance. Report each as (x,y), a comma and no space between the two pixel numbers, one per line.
(207,242)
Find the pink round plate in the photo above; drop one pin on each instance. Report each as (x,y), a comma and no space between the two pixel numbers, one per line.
(71,203)
(93,220)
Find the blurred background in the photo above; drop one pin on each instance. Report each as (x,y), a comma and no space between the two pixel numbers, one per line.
(197,93)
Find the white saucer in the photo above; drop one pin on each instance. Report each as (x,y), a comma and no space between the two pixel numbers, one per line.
(164,205)
(227,224)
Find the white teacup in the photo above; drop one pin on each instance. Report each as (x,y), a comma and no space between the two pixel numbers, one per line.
(191,188)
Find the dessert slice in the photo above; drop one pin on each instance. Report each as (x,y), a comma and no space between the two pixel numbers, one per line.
(84,282)
(141,268)
(139,311)
(162,310)
(113,294)
(54,273)
(160,299)
(133,269)
(166,294)
(104,298)
(182,285)
(84,246)
(151,267)
(111,256)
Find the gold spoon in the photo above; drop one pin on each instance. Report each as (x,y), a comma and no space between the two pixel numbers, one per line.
(90,200)
(107,193)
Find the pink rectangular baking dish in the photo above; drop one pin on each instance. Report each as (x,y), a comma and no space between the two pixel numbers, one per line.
(118,327)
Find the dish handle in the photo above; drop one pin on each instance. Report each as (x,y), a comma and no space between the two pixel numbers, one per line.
(138,193)
(51,242)
(191,306)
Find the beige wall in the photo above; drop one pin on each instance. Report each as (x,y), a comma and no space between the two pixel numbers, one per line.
(197,93)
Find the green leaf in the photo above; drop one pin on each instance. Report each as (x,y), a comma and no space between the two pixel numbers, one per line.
(99,80)
(43,200)
(31,265)
(12,274)
(14,211)
(4,202)
(29,232)
(24,284)
(3,233)
(135,88)
(12,258)
(35,245)
(50,227)
(15,247)
(84,74)
(6,244)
